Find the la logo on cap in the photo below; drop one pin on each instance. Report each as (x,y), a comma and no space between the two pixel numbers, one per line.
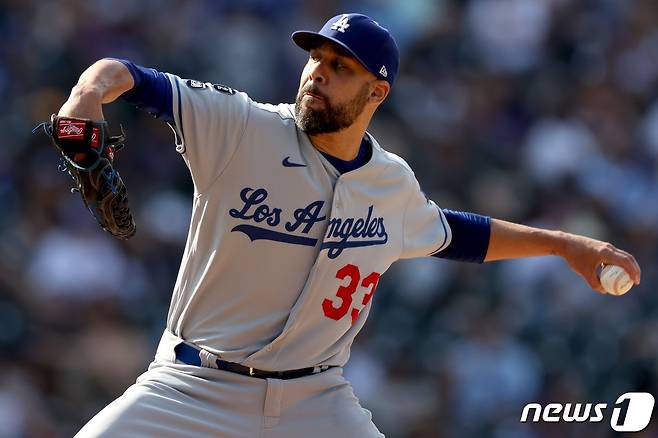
(368,42)
(341,24)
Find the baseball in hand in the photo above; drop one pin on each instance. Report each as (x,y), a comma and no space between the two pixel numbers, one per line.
(615,280)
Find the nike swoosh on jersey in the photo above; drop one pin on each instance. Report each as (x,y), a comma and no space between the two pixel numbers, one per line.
(287,163)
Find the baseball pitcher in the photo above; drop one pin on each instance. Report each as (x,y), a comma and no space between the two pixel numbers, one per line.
(297,212)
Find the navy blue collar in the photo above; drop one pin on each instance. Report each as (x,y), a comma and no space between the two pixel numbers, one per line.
(342,166)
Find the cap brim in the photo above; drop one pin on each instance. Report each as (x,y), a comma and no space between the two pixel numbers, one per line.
(308,40)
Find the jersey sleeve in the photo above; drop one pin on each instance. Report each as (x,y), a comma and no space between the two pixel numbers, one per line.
(209,123)
(425,228)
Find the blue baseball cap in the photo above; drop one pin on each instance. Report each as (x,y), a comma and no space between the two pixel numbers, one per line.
(371,44)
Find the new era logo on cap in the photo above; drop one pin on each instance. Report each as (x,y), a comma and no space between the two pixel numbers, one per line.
(370,43)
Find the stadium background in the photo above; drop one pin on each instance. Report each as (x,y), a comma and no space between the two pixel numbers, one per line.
(543,112)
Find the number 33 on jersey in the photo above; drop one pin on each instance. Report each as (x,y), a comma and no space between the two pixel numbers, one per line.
(263,193)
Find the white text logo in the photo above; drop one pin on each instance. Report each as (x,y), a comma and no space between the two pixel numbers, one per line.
(631,413)
(341,24)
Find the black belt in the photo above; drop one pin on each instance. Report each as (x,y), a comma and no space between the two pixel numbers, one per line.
(192,356)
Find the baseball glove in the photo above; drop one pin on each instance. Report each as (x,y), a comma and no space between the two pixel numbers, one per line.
(87,154)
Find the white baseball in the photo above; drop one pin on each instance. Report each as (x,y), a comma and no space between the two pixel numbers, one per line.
(615,280)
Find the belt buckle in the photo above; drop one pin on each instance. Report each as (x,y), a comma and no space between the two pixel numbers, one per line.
(251,371)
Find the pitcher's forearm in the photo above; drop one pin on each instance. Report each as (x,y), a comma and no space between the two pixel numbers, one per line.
(103,82)
(510,241)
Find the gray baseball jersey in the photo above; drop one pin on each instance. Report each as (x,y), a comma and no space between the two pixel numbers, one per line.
(284,254)
(280,267)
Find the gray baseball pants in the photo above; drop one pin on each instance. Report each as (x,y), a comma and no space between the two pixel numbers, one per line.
(172,399)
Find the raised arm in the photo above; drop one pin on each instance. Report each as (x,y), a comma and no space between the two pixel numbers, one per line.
(584,255)
(103,82)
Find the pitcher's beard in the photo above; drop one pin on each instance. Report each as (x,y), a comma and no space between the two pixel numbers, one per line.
(331,118)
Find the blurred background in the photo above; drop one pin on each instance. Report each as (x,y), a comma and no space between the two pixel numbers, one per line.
(543,112)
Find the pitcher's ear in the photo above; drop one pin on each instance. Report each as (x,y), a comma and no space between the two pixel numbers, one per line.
(379,91)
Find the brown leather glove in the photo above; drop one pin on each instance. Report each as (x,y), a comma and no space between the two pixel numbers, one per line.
(87,152)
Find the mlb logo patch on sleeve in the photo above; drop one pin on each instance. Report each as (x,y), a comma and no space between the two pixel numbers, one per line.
(192,83)
(198,85)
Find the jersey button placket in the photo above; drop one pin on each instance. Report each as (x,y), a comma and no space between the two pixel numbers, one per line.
(337,203)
